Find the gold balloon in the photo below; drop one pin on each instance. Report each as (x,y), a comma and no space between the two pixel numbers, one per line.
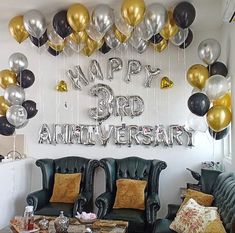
(166,83)
(91,46)
(56,47)
(225,100)
(78,37)
(62,86)
(120,36)
(17,29)
(159,47)
(218,117)
(82,36)
(78,17)
(170,28)
(3,106)
(197,76)
(7,77)
(133,11)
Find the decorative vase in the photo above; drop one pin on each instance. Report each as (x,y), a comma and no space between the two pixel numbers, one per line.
(61,223)
(43,224)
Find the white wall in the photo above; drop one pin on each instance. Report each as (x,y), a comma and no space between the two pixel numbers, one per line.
(161,107)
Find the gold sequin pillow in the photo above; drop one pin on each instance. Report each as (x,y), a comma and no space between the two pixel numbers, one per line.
(66,187)
(215,226)
(130,194)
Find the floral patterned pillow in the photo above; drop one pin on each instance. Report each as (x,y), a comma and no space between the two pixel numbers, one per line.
(193,218)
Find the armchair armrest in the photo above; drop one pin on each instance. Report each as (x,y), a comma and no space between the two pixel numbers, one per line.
(152,206)
(104,203)
(38,199)
(172,211)
(82,199)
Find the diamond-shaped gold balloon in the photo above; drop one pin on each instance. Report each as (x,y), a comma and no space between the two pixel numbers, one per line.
(62,86)
(166,83)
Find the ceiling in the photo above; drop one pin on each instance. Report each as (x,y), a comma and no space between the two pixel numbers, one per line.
(209,13)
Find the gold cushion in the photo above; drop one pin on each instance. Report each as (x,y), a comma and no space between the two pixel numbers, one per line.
(200,197)
(66,187)
(130,194)
(215,226)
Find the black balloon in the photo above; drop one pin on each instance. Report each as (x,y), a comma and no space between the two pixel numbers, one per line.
(61,24)
(31,108)
(218,135)
(39,42)
(218,68)
(199,104)
(155,39)
(53,52)
(25,78)
(6,128)
(188,40)
(105,48)
(184,14)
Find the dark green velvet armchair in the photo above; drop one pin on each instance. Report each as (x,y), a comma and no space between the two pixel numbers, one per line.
(131,168)
(222,187)
(40,199)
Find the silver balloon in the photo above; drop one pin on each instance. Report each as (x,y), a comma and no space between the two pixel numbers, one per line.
(53,37)
(216,86)
(142,46)
(156,17)
(35,23)
(114,64)
(175,133)
(60,133)
(161,136)
(44,135)
(105,97)
(102,18)
(120,106)
(74,136)
(68,51)
(196,123)
(18,62)
(122,25)
(94,71)
(147,134)
(150,74)
(209,51)
(134,67)
(135,40)
(180,37)
(190,134)
(73,45)
(136,104)
(121,135)
(111,40)
(133,133)
(104,133)
(144,31)
(93,33)
(23,125)
(76,77)
(87,135)
(14,95)
(195,90)
(16,115)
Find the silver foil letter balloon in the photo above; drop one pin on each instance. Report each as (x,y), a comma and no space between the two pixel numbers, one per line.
(44,135)
(103,133)
(134,67)
(94,71)
(161,136)
(60,134)
(133,132)
(136,105)
(114,64)
(150,74)
(190,134)
(147,134)
(105,97)
(175,133)
(121,135)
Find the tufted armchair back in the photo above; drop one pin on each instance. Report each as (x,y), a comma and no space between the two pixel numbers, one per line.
(224,194)
(132,168)
(67,165)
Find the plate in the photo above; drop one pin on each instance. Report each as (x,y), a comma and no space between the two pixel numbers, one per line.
(85,221)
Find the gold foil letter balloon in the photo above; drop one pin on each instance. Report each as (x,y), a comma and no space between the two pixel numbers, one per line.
(197,76)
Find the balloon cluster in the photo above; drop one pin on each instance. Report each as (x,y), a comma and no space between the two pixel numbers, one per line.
(75,30)
(15,111)
(211,95)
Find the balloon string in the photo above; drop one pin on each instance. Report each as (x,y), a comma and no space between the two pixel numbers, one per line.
(77,105)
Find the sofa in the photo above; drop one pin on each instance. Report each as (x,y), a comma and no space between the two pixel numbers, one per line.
(71,164)
(222,187)
(131,168)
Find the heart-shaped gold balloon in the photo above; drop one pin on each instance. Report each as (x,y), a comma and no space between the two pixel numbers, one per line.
(166,83)
(62,86)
